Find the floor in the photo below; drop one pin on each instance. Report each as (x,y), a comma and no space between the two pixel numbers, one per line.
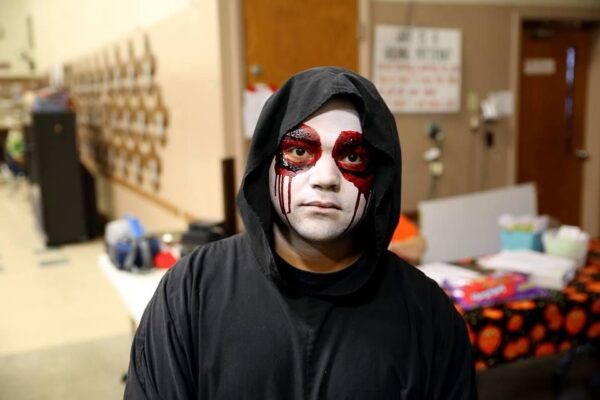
(64,334)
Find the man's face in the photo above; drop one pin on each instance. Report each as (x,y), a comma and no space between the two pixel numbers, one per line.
(320,178)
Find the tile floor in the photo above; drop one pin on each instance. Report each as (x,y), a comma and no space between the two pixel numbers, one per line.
(51,300)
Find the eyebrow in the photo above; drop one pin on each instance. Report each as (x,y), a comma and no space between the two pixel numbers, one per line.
(352,142)
(303,133)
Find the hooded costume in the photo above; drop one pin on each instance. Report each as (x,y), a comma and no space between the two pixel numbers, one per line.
(234,321)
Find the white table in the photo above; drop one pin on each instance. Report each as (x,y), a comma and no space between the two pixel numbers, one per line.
(135,289)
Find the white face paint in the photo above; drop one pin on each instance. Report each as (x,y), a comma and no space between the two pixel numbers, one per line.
(320,181)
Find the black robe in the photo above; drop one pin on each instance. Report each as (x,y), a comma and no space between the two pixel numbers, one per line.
(225,323)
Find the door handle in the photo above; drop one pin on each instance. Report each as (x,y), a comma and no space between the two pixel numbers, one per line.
(582,154)
(256,70)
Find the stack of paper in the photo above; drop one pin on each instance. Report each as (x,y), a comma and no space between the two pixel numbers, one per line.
(442,272)
(544,270)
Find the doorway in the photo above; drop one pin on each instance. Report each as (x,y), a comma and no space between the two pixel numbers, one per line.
(553,89)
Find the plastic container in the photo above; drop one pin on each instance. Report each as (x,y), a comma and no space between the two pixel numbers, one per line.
(516,240)
(566,247)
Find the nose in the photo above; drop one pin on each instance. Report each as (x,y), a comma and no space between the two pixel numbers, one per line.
(325,175)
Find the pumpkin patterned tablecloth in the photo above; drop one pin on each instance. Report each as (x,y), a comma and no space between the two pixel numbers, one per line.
(538,327)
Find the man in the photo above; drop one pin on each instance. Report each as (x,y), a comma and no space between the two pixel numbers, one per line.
(308,303)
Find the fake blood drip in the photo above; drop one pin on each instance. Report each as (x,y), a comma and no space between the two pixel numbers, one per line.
(305,138)
(350,143)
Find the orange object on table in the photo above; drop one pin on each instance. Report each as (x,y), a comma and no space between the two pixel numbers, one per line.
(405,229)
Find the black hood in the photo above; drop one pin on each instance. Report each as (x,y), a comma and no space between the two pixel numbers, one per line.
(293,103)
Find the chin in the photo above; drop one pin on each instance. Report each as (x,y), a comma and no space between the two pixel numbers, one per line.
(320,233)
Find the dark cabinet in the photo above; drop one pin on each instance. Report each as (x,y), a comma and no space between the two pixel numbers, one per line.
(58,195)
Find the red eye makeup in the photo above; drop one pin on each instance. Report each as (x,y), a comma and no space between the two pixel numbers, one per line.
(299,150)
(352,158)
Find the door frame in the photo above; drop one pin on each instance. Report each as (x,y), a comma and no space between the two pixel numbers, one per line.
(590,196)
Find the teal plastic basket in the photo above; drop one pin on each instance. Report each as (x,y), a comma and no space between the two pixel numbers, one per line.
(521,240)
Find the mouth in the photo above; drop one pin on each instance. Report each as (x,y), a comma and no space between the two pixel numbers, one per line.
(325,205)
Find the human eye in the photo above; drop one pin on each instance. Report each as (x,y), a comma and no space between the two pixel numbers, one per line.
(299,148)
(297,154)
(355,159)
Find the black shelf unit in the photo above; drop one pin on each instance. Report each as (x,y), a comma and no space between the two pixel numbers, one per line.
(58,192)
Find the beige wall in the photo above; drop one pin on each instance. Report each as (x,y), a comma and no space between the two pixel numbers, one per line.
(490,55)
(468,166)
(13,38)
(186,45)
(65,29)
(189,73)
(591,172)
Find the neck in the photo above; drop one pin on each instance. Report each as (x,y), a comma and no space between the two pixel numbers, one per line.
(314,257)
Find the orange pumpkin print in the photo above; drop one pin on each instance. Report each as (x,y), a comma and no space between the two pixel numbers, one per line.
(593,287)
(594,330)
(551,309)
(493,313)
(510,351)
(578,297)
(553,316)
(564,345)
(570,290)
(538,332)
(515,323)
(575,321)
(489,339)
(596,306)
(480,365)
(589,270)
(544,349)
(522,345)
(522,305)
(584,278)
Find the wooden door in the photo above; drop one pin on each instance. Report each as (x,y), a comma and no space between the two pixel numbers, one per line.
(554,62)
(283,37)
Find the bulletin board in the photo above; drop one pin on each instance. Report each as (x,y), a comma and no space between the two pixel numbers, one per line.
(418,70)
(122,119)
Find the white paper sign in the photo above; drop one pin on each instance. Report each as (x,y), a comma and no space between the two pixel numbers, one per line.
(254,100)
(418,70)
(539,66)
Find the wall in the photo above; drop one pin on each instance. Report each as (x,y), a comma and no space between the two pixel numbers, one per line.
(468,166)
(591,171)
(14,37)
(490,55)
(185,39)
(64,29)
(189,73)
